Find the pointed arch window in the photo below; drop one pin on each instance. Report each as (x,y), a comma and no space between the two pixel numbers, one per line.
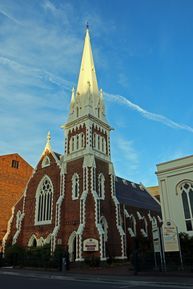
(72,144)
(82,140)
(75,186)
(98,142)
(101,186)
(32,241)
(186,190)
(77,142)
(104,225)
(94,140)
(44,196)
(45,162)
(102,144)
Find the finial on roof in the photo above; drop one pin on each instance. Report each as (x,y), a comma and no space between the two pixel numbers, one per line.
(48,145)
(87,26)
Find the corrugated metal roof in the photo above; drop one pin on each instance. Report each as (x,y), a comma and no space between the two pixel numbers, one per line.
(135,195)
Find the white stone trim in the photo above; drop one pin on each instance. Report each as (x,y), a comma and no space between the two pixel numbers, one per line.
(46,162)
(71,246)
(18,227)
(58,209)
(132,231)
(9,224)
(144,231)
(31,240)
(118,222)
(75,186)
(139,216)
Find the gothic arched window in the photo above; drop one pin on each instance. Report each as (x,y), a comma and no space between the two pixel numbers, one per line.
(104,225)
(44,196)
(101,186)
(82,140)
(94,140)
(102,144)
(186,190)
(45,162)
(72,144)
(75,186)
(98,142)
(77,142)
(32,241)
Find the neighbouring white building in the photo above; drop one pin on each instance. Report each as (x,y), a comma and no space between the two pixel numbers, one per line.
(176,192)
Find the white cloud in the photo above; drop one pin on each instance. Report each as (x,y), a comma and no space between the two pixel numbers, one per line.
(149,115)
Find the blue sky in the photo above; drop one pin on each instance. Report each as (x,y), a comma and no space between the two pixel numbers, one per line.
(143,52)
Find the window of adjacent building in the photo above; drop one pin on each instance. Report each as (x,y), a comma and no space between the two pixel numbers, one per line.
(75,186)
(44,198)
(101,186)
(186,190)
(15,164)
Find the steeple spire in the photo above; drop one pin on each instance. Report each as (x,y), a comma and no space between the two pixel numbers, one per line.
(87,70)
(87,99)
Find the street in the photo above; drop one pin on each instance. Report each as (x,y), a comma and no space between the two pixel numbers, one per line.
(10,281)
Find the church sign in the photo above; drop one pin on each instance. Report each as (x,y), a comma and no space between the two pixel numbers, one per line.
(90,245)
(170,237)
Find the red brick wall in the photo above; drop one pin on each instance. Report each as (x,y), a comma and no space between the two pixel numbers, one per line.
(12,184)
(28,227)
(70,213)
(108,210)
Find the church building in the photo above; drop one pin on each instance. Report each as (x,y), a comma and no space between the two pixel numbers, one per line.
(75,200)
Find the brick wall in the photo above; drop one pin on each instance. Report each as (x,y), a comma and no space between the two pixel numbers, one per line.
(14,175)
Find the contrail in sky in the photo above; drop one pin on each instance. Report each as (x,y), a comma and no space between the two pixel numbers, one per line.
(45,75)
(9,16)
(149,115)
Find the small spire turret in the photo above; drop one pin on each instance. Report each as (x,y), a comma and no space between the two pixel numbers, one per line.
(48,145)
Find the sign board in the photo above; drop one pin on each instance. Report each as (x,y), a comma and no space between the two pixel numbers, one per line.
(156,240)
(90,245)
(156,237)
(170,237)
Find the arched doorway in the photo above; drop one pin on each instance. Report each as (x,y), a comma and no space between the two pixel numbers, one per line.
(72,247)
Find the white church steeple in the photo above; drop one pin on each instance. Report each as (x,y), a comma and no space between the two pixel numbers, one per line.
(87,130)
(87,75)
(87,97)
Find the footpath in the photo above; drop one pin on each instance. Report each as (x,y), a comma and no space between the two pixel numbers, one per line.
(115,273)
